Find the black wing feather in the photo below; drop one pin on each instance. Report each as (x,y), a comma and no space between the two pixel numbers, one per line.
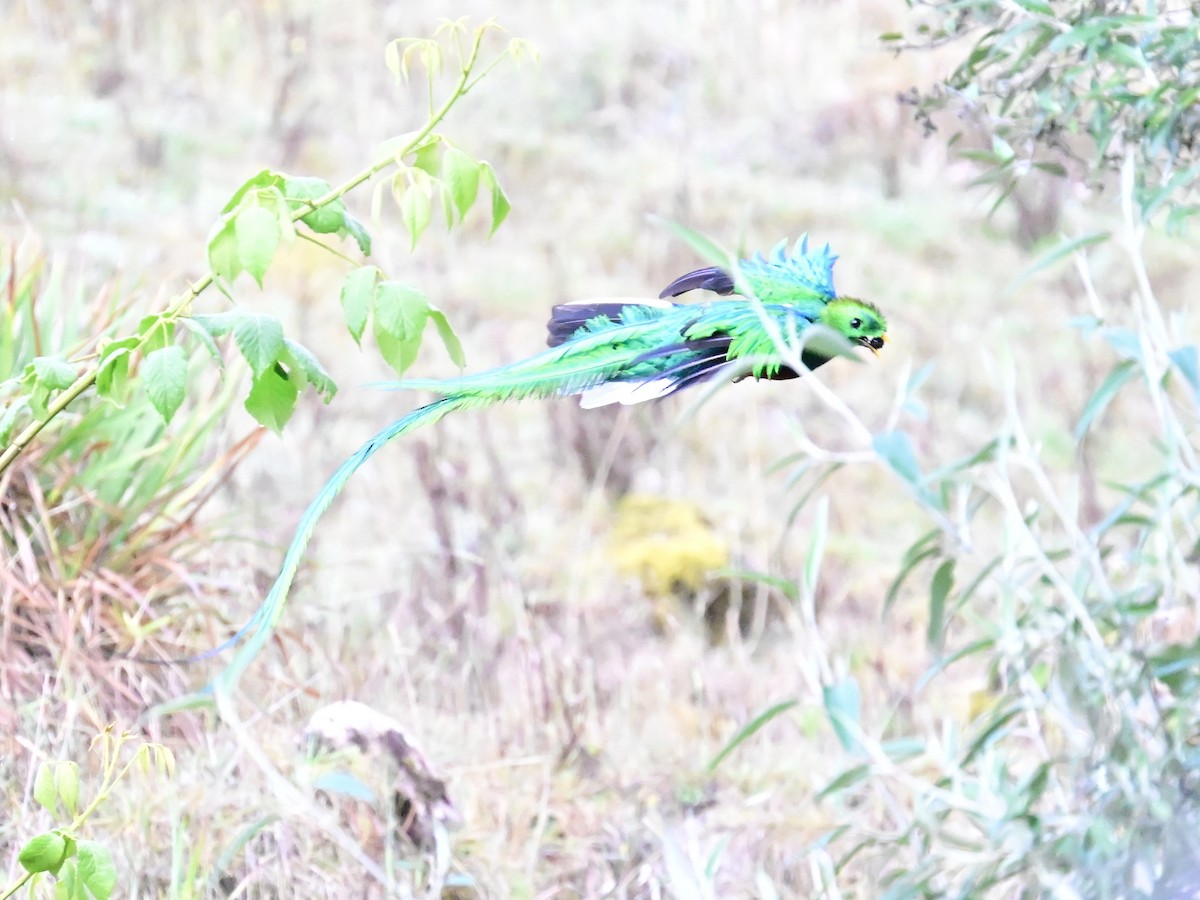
(711,279)
(568,318)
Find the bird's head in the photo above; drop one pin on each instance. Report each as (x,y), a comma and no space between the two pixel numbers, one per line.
(857,321)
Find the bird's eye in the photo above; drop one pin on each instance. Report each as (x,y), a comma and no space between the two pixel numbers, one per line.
(856,323)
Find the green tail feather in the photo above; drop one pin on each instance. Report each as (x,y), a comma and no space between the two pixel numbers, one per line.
(258,630)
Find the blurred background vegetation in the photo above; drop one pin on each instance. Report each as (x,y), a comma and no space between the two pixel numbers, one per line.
(958,658)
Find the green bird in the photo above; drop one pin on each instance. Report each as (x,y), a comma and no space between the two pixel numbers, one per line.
(626,351)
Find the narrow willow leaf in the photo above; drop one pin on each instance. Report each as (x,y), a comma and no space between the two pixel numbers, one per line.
(749,730)
(848,778)
(272,398)
(96,869)
(816,546)
(316,374)
(258,235)
(1186,361)
(895,448)
(939,590)
(53,373)
(460,174)
(164,374)
(449,339)
(843,706)
(1054,254)
(706,249)
(358,291)
(260,338)
(1121,374)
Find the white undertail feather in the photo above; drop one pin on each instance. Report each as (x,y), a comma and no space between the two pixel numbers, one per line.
(626,393)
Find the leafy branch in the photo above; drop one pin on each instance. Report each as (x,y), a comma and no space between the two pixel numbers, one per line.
(82,868)
(267,211)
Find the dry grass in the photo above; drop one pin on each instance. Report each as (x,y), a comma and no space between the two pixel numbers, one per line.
(462,585)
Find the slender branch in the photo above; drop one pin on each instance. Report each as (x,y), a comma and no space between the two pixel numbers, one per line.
(88,378)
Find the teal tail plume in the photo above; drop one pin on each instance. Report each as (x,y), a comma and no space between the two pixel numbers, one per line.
(257,631)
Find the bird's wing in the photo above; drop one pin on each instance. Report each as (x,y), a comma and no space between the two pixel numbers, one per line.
(804,277)
(567,319)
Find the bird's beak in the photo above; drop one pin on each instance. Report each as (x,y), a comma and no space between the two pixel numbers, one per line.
(885,337)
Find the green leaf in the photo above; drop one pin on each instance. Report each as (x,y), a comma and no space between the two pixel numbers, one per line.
(164,373)
(258,234)
(706,249)
(53,373)
(460,174)
(96,869)
(223,258)
(264,179)
(399,315)
(749,729)
(848,778)
(1054,254)
(1121,374)
(353,228)
(66,783)
(500,204)
(260,338)
(327,219)
(44,790)
(895,448)
(358,290)
(939,590)
(816,546)
(272,398)
(843,706)
(449,339)
(416,210)
(203,335)
(312,369)
(1186,360)
(44,853)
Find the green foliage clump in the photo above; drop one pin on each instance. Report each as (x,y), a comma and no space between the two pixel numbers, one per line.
(1077,88)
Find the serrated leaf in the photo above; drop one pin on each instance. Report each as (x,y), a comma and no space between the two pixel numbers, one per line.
(164,374)
(272,398)
(426,157)
(264,179)
(843,706)
(500,204)
(203,335)
(257,231)
(449,339)
(53,373)
(399,315)
(358,290)
(308,363)
(44,791)
(96,869)
(327,219)
(66,783)
(223,258)
(353,228)
(460,174)
(260,338)
(416,211)
(939,590)
(44,853)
